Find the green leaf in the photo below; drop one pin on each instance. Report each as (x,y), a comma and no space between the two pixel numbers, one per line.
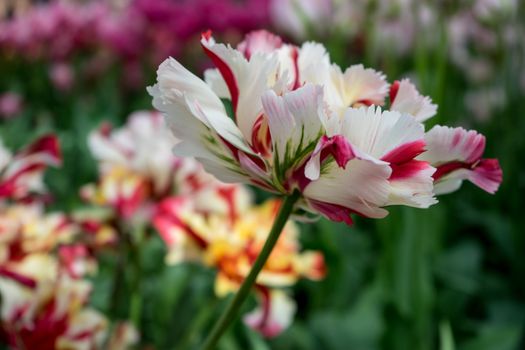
(495,338)
(446,337)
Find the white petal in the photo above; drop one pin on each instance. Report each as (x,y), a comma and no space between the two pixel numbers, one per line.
(180,95)
(214,79)
(362,187)
(224,172)
(356,85)
(259,41)
(451,184)
(314,64)
(414,191)
(281,311)
(175,83)
(294,119)
(445,144)
(249,80)
(376,133)
(409,100)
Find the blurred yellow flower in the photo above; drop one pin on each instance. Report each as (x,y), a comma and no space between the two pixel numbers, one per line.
(231,244)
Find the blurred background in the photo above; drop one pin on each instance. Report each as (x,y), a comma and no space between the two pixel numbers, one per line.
(451,277)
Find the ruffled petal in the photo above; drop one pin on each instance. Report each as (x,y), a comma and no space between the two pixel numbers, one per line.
(405,98)
(456,153)
(356,86)
(246,80)
(362,187)
(274,315)
(295,124)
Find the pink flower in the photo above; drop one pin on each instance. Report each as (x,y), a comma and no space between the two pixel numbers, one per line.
(10,105)
(62,76)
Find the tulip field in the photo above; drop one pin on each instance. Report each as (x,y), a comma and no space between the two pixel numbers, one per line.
(262,174)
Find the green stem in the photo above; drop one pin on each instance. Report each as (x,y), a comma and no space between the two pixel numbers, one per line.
(233,308)
(117,278)
(135,309)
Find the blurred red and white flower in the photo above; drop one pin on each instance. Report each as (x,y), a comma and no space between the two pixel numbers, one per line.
(231,243)
(21,174)
(26,229)
(123,337)
(50,314)
(138,168)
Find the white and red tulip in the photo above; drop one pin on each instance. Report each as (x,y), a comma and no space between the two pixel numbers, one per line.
(138,168)
(301,123)
(21,174)
(52,313)
(25,229)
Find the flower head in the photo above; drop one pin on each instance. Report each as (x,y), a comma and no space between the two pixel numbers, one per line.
(231,243)
(51,313)
(25,229)
(137,167)
(300,122)
(11,105)
(21,174)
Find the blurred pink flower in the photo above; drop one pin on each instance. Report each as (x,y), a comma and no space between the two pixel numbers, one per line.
(10,105)
(303,18)
(301,123)
(62,76)
(141,28)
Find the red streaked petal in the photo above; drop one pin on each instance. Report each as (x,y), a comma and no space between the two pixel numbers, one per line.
(333,212)
(408,169)
(224,69)
(394,89)
(447,168)
(487,175)
(405,152)
(297,80)
(207,34)
(259,41)
(168,217)
(23,280)
(47,144)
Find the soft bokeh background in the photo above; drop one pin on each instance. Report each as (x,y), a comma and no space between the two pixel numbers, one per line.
(451,277)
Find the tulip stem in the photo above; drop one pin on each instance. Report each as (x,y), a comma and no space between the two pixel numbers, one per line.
(232,310)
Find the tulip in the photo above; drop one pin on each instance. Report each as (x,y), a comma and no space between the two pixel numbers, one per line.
(230,243)
(21,174)
(285,119)
(50,314)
